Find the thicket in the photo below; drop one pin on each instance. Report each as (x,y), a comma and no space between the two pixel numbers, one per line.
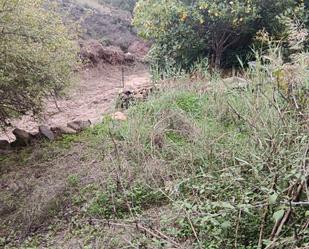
(37,55)
(183,30)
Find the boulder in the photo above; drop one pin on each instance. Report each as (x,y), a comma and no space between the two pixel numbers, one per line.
(23,138)
(62,130)
(4,145)
(46,132)
(79,125)
(119,116)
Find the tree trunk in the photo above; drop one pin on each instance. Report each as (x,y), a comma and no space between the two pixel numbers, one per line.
(218,57)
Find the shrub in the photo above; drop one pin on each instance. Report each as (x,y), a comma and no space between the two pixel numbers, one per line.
(37,56)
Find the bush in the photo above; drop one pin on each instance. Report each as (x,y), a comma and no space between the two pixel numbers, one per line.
(37,56)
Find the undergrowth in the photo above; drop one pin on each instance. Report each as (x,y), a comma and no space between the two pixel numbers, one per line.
(221,167)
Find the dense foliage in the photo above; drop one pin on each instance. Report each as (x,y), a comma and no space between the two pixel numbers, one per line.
(37,54)
(184,30)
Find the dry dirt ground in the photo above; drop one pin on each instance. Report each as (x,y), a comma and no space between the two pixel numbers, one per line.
(92,95)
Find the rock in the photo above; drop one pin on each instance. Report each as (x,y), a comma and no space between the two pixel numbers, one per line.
(79,125)
(130,97)
(128,57)
(46,132)
(4,145)
(235,83)
(62,130)
(252,64)
(36,135)
(23,138)
(119,116)
(139,96)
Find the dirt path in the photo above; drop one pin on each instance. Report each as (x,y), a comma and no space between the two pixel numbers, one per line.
(93,95)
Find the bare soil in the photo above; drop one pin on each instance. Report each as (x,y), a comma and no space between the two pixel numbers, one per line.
(92,95)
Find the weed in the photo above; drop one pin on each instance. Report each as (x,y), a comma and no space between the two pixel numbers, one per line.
(73,180)
(115,204)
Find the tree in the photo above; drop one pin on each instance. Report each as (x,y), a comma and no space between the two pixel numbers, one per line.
(226,23)
(170,25)
(216,24)
(37,54)
(210,26)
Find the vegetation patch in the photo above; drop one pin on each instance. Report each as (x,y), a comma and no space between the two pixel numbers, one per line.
(120,204)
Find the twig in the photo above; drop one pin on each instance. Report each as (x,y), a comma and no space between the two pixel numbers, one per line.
(262,227)
(193,230)
(280,223)
(237,228)
(294,203)
(240,116)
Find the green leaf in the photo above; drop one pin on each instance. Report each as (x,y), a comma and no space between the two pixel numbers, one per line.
(226,224)
(279,214)
(273,198)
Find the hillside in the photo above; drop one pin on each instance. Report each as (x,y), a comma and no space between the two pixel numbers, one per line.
(101,21)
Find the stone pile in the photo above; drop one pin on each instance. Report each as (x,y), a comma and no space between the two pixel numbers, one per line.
(24,138)
(129,97)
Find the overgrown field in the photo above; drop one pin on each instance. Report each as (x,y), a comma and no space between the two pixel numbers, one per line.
(196,166)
